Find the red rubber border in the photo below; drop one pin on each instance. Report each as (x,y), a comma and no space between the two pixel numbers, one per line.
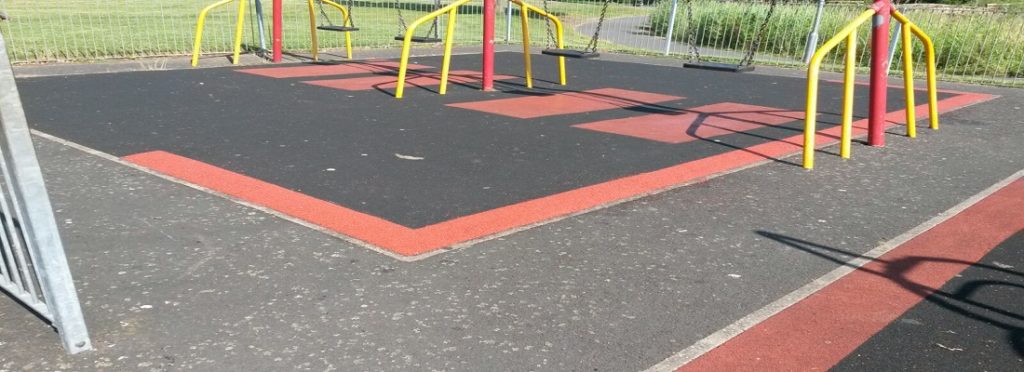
(405,241)
(820,331)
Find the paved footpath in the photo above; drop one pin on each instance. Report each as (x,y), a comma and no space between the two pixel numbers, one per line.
(174,278)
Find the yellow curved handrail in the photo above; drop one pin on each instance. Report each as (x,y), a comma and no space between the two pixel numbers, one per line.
(813,69)
(908,73)
(849,32)
(346,21)
(524,13)
(202,22)
(452,10)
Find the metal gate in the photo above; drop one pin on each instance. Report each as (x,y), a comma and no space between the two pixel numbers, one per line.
(33,268)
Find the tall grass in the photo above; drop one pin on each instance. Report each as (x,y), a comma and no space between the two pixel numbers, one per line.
(967,43)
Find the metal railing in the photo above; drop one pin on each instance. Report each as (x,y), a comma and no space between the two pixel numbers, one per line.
(452,10)
(33,268)
(849,34)
(972,44)
(197,46)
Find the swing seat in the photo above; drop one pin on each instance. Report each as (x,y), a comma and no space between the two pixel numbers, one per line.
(715,66)
(337,28)
(420,39)
(570,53)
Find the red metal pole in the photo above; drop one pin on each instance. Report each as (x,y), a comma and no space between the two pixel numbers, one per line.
(879,72)
(488,63)
(277,30)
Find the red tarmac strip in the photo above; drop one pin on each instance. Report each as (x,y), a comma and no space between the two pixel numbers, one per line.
(405,241)
(695,123)
(566,103)
(391,81)
(818,332)
(347,68)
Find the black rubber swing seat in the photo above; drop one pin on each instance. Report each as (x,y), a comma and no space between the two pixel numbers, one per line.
(420,39)
(570,53)
(719,66)
(337,28)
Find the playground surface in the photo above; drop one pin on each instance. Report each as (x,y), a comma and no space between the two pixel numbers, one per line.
(610,224)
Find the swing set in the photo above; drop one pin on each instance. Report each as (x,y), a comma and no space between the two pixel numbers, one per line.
(746,63)
(320,20)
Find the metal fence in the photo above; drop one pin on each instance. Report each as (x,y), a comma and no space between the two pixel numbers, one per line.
(974,44)
(33,268)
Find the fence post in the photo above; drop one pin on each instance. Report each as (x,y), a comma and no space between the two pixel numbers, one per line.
(812,38)
(32,215)
(508,22)
(671,26)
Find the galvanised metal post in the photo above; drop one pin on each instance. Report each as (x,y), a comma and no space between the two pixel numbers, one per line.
(671,26)
(879,72)
(508,22)
(812,38)
(32,207)
(259,25)
(897,30)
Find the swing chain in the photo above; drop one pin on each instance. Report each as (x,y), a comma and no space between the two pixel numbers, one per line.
(433,26)
(323,13)
(756,42)
(401,19)
(351,22)
(592,45)
(351,19)
(689,35)
(552,41)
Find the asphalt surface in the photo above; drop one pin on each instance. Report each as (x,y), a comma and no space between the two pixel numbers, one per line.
(975,322)
(175,278)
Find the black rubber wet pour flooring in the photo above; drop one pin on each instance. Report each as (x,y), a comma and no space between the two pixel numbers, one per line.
(353,148)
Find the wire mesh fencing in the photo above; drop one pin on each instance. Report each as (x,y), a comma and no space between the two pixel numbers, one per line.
(973,44)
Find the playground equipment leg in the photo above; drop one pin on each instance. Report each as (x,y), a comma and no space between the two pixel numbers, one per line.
(278,19)
(449,36)
(488,50)
(238,29)
(313,37)
(879,73)
(201,23)
(259,25)
(849,80)
(908,83)
(525,19)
